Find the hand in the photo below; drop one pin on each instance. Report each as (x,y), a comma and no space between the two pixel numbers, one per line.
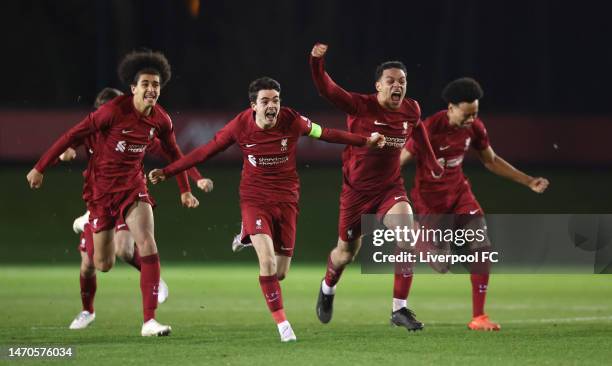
(156,176)
(538,185)
(376,140)
(319,50)
(35,179)
(68,155)
(205,184)
(189,201)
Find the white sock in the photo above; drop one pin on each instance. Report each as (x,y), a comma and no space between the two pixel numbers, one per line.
(282,325)
(328,290)
(399,303)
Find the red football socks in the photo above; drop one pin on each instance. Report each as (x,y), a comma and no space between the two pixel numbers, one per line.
(88,292)
(149,283)
(270,287)
(332,275)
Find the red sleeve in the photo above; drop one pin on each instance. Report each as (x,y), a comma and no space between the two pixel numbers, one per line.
(481,137)
(411,147)
(342,137)
(173,153)
(421,139)
(223,139)
(327,88)
(156,150)
(95,121)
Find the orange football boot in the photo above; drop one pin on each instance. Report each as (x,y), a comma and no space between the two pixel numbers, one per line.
(482,322)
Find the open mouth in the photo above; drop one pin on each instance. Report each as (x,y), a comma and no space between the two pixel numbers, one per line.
(150,98)
(396,96)
(270,115)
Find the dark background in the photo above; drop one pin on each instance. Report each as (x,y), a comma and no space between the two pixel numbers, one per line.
(538,61)
(530,56)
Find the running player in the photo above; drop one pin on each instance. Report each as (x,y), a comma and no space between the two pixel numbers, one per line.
(452,132)
(372,181)
(124,242)
(127,126)
(268,134)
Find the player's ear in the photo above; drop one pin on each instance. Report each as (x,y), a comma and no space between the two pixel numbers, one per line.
(253,105)
(133,88)
(378,86)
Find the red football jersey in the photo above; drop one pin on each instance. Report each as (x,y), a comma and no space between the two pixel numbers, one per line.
(123,137)
(269,173)
(450,143)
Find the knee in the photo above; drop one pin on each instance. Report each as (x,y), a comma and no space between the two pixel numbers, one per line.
(87,271)
(268,265)
(104,265)
(345,255)
(281,275)
(124,252)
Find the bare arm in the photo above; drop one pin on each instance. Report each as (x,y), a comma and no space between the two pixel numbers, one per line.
(405,157)
(500,167)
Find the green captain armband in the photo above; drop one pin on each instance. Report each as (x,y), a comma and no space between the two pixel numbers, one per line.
(315,131)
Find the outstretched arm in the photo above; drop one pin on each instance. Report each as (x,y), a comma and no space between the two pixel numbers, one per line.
(222,140)
(499,166)
(326,87)
(333,135)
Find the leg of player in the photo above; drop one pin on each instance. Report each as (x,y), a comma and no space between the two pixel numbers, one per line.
(139,219)
(479,276)
(283,263)
(88,283)
(127,251)
(104,250)
(343,254)
(400,215)
(270,286)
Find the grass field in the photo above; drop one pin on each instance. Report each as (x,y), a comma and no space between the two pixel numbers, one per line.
(219,317)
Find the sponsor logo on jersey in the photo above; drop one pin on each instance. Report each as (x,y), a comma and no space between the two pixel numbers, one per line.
(395,142)
(252,159)
(120,146)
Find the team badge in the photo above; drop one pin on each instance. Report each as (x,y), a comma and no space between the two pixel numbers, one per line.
(284,144)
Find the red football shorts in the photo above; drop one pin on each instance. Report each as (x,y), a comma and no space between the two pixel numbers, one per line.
(277,220)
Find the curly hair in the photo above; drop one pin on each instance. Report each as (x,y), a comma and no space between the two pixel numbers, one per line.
(144,62)
(106,95)
(462,90)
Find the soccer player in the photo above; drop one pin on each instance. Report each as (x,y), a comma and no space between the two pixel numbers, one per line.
(127,126)
(268,134)
(124,242)
(452,132)
(372,183)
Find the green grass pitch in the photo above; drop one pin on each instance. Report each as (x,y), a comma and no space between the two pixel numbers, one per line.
(218,316)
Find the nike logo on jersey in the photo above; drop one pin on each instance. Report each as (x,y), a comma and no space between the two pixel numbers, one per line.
(472,212)
(250,145)
(442,148)
(142,195)
(379,123)
(126,131)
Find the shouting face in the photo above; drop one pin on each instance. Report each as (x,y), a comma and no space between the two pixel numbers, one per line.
(391,88)
(266,107)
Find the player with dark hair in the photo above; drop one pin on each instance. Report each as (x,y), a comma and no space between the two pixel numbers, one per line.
(268,135)
(452,132)
(124,242)
(372,181)
(127,126)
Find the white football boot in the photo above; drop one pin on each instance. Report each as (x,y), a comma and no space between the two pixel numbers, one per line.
(162,292)
(82,320)
(153,328)
(79,223)
(286,332)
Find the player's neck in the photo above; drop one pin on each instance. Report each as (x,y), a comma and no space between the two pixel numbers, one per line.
(450,121)
(142,108)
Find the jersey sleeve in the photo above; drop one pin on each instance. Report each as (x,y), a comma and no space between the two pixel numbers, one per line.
(308,128)
(411,147)
(328,89)
(223,139)
(94,122)
(172,152)
(481,137)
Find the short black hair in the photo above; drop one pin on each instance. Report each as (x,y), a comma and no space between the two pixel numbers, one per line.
(263,83)
(462,90)
(140,62)
(389,65)
(106,95)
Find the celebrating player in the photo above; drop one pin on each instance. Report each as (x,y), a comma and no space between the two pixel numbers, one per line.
(372,183)
(127,126)
(124,242)
(268,134)
(452,132)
